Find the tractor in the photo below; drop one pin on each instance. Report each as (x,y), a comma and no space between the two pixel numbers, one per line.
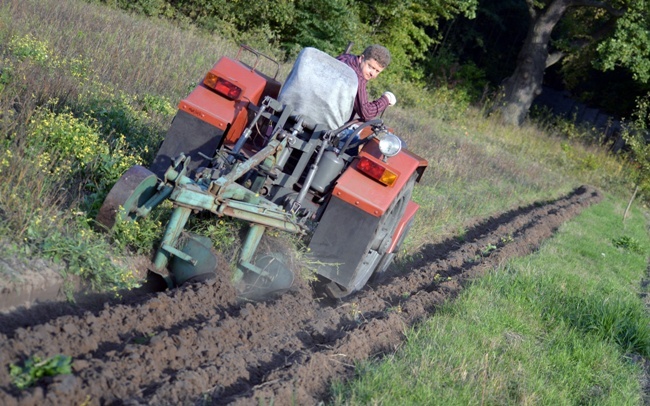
(279,156)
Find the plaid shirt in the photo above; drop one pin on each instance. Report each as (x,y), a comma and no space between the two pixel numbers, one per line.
(362,107)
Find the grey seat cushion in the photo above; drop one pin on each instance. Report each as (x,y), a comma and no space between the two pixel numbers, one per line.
(320,88)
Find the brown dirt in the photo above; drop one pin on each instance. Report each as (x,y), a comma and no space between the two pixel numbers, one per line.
(200,345)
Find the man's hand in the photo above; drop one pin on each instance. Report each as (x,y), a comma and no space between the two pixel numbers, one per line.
(391,98)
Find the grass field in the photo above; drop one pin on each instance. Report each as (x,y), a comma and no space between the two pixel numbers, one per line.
(565,326)
(86,91)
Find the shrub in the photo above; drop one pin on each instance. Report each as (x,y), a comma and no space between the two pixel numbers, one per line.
(67,147)
(224,234)
(125,116)
(634,135)
(39,51)
(629,244)
(29,47)
(62,143)
(88,256)
(142,234)
(38,203)
(35,368)
(68,238)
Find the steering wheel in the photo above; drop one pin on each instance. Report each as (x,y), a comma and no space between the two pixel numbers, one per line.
(350,143)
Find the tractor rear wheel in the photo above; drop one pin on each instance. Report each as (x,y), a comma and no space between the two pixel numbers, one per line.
(377,257)
(388,257)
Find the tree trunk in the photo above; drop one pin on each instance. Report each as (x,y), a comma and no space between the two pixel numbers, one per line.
(520,89)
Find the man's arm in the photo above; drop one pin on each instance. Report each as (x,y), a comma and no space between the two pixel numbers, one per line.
(368,109)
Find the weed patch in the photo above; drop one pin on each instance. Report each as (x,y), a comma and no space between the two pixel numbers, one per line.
(628,243)
(35,368)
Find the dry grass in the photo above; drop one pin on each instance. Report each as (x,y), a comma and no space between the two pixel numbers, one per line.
(131,53)
(478,167)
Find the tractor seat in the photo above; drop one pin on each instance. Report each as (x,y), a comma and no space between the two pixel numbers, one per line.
(320,88)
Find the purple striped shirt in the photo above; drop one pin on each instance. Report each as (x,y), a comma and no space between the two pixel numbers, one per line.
(365,109)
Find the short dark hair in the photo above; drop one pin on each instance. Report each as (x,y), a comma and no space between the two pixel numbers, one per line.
(378,53)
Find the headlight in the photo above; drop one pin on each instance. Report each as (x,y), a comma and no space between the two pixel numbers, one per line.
(389,144)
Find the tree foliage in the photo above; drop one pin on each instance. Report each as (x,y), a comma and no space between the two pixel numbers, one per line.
(328,26)
(599,43)
(407,27)
(403,26)
(491,40)
(629,45)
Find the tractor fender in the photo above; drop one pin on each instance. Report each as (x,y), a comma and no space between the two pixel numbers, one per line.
(369,195)
(403,225)
(205,117)
(347,234)
(213,108)
(341,240)
(191,136)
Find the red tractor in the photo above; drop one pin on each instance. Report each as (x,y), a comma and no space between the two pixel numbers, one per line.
(243,145)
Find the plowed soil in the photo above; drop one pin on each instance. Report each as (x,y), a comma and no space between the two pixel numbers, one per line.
(201,345)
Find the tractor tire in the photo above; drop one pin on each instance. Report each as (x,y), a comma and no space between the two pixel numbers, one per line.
(130,192)
(388,257)
(377,257)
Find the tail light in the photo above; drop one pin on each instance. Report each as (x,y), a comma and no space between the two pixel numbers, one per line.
(376,171)
(222,86)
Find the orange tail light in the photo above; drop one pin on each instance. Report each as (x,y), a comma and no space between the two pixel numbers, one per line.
(376,171)
(222,86)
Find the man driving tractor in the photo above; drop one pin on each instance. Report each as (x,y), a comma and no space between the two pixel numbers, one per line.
(368,66)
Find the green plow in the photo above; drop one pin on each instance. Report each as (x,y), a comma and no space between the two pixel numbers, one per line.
(190,258)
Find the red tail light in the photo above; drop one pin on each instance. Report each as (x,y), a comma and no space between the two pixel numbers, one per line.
(376,171)
(222,86)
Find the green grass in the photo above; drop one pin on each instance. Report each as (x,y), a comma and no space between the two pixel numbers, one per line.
(560,327)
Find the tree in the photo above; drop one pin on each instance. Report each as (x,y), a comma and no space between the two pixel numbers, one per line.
(403,26)
(328,26)
(616,29)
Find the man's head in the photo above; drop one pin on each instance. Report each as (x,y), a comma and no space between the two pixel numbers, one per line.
(373,60)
